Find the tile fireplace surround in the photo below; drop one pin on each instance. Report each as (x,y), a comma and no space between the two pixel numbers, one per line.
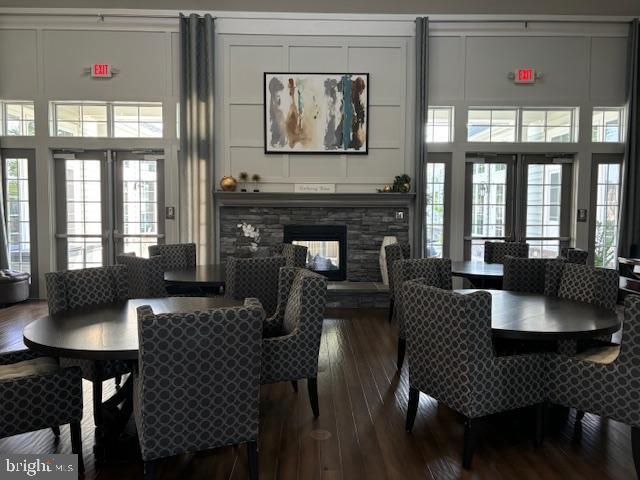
(368,218)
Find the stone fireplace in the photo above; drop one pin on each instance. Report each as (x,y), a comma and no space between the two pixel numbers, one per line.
(365,220)
(326,247)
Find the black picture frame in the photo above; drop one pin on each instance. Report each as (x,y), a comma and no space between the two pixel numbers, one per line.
(365,151)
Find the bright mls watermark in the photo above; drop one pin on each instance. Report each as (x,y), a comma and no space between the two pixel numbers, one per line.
(52,467)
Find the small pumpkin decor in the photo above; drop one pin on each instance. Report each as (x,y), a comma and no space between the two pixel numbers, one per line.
(228,184)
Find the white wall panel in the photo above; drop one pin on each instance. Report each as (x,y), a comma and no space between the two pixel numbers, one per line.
(380,164)
(446,69)
(317,166)
(254,160)
(18,64)
(246,125)
(387,72)
(140,57)
(247,64)
(307,58)
(608,70)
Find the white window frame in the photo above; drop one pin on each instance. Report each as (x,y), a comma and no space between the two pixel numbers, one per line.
(431,124)
(621,115)
(492,109)
(4,120)
(573,126)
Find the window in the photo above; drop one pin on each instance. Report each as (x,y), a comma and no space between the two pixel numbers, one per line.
(549,125)
(17,207)
(90,234)
(103,119)
(435,209)
(17,119)
(606,125)
(440,125)
(491,125)
(606,206)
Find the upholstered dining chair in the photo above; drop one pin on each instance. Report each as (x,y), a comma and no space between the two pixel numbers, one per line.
(574,255)
(291,340)
(201,389)
(435,272)
(393,253)
(146,276)
(604,381)
(36,393)
(494,252)
(294,255)
(176,256)
(524,274)
(73,289)
(582,283)
(453,361)
(254,278)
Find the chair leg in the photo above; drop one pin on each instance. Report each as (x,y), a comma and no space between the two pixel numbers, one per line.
(254,461)
(149,470)
(541,414)
(412,407)
(118,380)
(76,442)
(579,415)
(97,403)
(312,386)
(56,430)
(635,448)
(469,442)
(294,384)
(402,347)
(391,305)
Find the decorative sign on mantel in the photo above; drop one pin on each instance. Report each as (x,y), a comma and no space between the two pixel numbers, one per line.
(314,188)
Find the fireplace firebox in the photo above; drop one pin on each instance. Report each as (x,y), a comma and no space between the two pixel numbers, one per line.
(326,247)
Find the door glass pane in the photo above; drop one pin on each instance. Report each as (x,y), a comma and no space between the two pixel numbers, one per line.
(16,189)
(84,213)
(607,204)
(434,221)
(544,196)
(139,205)
(488,204)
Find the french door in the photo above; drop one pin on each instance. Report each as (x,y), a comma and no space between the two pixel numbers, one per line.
(107,202)
(513,197)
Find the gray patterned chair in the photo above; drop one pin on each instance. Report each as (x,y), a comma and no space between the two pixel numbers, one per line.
(494,252)
(435,272)
(294,255)
(452,360)
(393,253)
(574,255)
(74,289)
(36,393)
(604,381)
(146,276)
(200,389)
(254,278)
(582,283)
(524,274)
(176,256)
(292,336)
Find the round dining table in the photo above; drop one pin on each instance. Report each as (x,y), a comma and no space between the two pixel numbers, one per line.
(537,317)
(479,274)
(203,276)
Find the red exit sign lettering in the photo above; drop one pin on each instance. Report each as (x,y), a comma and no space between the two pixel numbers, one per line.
(525,75)
(101,70)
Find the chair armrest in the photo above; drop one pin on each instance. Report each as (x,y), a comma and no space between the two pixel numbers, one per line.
(7,358)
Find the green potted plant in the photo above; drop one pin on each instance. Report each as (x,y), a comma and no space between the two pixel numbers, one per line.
(244,178)
(256,179)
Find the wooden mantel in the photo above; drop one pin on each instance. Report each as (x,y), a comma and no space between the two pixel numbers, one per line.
(290,199)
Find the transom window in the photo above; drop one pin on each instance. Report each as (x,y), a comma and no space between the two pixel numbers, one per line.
(606,125)
(549,126)
(17,119)
(106,119)
(492,125)
(440,125)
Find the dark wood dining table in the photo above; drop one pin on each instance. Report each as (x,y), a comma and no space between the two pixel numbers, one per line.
(202,276)
(479,274)
(536,317)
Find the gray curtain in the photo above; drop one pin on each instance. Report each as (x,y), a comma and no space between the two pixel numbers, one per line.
(4,248)
(630,211)
(422,105)
(196,132)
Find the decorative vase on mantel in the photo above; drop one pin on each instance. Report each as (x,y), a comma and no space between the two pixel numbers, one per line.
(388,240)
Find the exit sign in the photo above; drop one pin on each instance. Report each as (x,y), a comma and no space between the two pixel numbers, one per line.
(101,70)
(525,75)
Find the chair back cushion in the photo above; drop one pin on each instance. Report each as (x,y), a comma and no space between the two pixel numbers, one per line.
(574,255)
(494,252)
(254,278)
(146,276)
(90,286)
(393,253)
(294,255)
(198,385)
(306,303)
(177,256)
(524,274)
(583,283)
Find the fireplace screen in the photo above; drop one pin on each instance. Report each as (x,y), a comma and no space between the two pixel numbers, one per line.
(322,255)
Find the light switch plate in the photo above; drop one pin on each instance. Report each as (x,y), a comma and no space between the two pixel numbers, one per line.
(170,213)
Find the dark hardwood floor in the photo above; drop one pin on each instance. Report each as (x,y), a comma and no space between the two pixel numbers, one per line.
(360,432)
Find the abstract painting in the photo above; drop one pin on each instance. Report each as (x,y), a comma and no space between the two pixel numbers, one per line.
(316,113)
